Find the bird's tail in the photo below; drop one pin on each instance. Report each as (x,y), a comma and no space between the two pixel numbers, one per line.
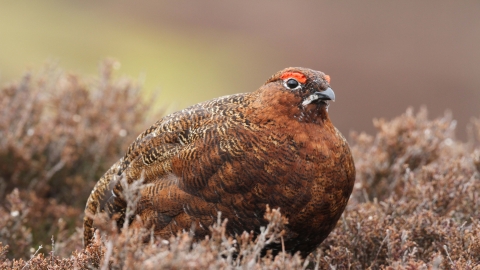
(96,202)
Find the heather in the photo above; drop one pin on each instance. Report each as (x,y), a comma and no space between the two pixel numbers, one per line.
(415,203)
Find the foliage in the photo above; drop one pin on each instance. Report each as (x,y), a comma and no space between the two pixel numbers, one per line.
(415,204)
(58,133)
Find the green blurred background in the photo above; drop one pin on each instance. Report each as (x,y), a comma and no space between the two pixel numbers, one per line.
(383,56)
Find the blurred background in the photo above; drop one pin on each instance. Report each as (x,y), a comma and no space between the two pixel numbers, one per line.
(383,56)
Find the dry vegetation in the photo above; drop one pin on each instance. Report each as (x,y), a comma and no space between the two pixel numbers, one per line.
(416,202)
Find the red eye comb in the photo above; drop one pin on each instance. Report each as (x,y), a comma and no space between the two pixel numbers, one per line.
(295,75)
(327,78)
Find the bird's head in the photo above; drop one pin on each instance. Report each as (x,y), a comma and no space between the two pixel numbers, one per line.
(306,92)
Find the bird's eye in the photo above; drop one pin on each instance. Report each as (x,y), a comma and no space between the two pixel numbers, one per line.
(292,83)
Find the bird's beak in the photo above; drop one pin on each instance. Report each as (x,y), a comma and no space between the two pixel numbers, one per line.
(323,96)
(326,95)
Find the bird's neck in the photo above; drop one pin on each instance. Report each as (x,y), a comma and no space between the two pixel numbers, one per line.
(312,113)
(290,115)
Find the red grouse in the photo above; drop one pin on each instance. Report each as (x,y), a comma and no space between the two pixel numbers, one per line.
(236,154)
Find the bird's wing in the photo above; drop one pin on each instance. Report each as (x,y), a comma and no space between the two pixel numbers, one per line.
(175,158)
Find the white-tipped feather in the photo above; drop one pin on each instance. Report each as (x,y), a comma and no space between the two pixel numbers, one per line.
(310,99)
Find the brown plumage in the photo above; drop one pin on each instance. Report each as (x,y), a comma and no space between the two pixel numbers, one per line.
(236,154)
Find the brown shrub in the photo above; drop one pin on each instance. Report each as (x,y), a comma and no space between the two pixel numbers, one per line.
(416,200)
(58,134)
(415,205)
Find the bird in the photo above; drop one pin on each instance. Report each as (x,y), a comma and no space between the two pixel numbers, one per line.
(235,155)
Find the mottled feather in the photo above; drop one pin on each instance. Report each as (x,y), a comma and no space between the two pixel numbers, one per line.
(236,154)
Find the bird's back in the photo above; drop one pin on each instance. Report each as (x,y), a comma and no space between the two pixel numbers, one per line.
(175,158)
